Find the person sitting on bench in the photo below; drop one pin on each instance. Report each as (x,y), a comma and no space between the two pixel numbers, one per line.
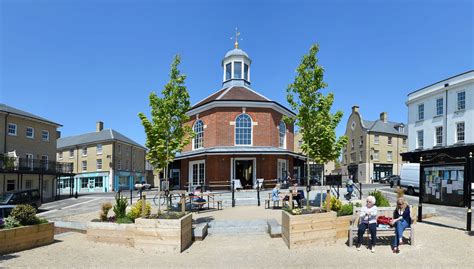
(197,196)
(368,215)
(401,221)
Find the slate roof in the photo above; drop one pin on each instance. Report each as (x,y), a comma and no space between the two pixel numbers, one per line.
(102,136)
(388,127)
(234,94)
(12,110)
(235,149)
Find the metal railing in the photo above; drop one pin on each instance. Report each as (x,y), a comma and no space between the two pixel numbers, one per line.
(11,164)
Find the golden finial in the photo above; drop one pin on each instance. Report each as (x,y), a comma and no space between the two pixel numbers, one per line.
(236,38)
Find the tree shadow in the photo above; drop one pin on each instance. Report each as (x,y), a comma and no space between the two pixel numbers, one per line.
(442,225)
(200,220)
(7,257)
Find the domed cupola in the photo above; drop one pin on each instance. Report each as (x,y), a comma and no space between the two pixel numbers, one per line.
(236,66)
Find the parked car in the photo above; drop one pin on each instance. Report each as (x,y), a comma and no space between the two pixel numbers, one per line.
(5,210)
(143,185)
(393,180)
(410,177)
(28,197)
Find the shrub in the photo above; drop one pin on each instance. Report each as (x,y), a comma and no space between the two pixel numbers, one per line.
(345,210)
(357,204)
(11,222)
(136,210)
(123,220)
(400,193)
(105,211)
(380,199)
(25,214)
(334,203)
(120,206)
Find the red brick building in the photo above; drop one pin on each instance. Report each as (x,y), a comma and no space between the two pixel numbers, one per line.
(240,134)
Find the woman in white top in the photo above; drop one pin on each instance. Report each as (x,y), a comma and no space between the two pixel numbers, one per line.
(368,219)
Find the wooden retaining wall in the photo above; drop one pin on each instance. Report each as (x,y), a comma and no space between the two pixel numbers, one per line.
(155,235)
(26,237)
(310,229)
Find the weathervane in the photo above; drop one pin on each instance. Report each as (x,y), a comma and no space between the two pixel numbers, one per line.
(236,38)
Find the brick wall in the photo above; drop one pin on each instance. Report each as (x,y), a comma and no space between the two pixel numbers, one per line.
(219,130)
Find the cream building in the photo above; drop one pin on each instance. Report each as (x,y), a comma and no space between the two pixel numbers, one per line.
(103,161)
(374,147)
(28,152)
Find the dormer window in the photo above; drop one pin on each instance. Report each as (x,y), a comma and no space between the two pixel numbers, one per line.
(228,71)
(198,129)
(237,69)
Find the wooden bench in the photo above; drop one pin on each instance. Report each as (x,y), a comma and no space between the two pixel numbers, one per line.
(276,203)
(389,231)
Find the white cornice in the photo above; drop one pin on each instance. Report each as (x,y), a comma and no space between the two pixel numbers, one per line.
(246,104)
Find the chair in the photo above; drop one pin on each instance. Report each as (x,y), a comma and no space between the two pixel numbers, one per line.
(259,183)
(237,184)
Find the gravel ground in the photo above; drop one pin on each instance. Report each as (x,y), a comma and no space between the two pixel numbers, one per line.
(437,246)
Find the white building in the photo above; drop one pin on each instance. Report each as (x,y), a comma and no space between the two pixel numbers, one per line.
(442,114)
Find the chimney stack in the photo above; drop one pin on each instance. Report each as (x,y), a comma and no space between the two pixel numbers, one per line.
(384,117)
(99,126)
(355,108)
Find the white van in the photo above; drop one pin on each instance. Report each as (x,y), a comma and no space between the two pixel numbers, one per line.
(410,178)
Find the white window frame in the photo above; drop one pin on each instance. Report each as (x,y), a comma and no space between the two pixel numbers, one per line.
(361,142)
(29,160)
(282,139)
(43,132)
(28,184)
(282,164)
(191,173)
(360,156)
(119,165)
(14,126)
(99,146)
(376,139)
(32,136)
(98,164)
(418,144)
(71,155)
(241,69)
(436,136)
(84,168)
(84,151)
(45,160)
(251,131)
(390,154)
(376,154)
(198,140)
(421,112)
(60,155)
(459,102)
(119,149)
(439,106)
(389,140)
(463,132)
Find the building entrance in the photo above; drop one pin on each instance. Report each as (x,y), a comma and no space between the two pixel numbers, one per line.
(244,171)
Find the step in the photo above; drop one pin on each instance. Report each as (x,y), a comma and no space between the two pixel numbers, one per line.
(237,227)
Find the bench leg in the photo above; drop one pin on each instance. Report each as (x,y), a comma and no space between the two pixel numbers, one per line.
(351,237)
(412,237)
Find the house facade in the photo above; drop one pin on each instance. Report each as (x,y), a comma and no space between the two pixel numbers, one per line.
(240,134)
(103,161)
(316,170)
(28,153)
(441,132)
(374,147)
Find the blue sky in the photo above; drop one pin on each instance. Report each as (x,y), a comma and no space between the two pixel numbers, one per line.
(76,62)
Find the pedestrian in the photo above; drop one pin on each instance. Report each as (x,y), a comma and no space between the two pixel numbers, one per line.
(350,188)
(368,216)
(401,221)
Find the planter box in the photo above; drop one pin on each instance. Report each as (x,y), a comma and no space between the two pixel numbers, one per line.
(111,233)
(26,237)
(310,229)
(156,235)
(342,226)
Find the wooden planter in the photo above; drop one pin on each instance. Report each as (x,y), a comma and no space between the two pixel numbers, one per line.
(26,237)
(343,224)
(164,235)
(111,233)
(156,235)
(310,229)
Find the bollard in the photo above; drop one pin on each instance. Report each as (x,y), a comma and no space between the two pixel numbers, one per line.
(258,194)
(360,191)
(143,199)
(131,195)
(183,203)
(328,201)
(233,193)
(290,199)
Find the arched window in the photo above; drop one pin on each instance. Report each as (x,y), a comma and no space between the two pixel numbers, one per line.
(198,129)
(282,132)
(243,130)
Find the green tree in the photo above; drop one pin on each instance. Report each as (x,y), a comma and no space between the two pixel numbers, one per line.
(313,111)
(166,132)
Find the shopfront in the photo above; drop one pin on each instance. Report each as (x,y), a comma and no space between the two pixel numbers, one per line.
(382,171)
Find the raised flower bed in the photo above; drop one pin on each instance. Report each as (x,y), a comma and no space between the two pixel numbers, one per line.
(26,237)
(147,234)
(309,229)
